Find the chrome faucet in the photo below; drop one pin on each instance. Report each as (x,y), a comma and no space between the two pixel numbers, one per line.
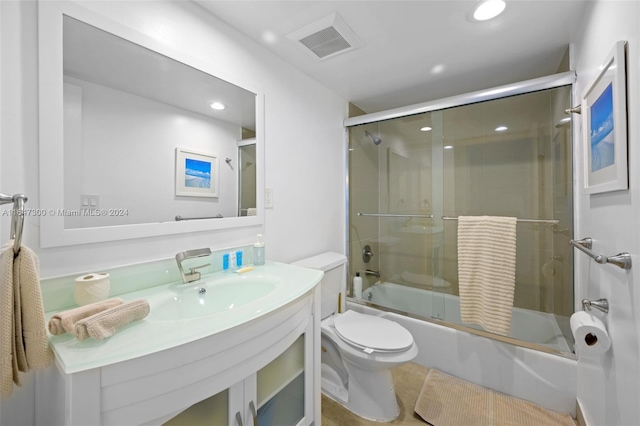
(191,254)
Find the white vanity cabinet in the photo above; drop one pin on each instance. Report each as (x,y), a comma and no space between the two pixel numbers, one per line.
(258,363)
(277,394)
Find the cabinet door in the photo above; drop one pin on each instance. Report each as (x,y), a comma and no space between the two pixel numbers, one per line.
(284,391)
(208,412)
(242,405)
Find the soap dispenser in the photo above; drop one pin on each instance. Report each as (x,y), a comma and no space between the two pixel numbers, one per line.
(258,251)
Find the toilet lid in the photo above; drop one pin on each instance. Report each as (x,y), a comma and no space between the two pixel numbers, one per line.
(370,332)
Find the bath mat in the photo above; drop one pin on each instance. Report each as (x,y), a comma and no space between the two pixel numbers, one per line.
(448,401)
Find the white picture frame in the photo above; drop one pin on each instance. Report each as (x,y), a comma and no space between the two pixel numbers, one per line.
(196,173)
(604,126)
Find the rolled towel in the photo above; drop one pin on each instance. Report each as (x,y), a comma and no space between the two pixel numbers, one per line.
(106,323)
(65,321)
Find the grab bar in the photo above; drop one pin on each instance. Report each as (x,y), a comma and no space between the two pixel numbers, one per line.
(425,216)
(179,218)
(621,260)
(550,221)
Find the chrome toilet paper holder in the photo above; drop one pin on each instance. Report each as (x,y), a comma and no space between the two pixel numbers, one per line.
(600,304)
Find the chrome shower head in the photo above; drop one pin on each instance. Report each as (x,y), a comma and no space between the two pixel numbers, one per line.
(376,140)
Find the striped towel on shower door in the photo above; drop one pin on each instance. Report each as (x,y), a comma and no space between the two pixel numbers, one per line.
(487,271)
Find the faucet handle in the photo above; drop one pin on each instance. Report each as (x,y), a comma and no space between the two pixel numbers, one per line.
(367,254)
(193,270)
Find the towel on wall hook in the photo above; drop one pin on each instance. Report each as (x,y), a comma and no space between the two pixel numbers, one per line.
(23,332)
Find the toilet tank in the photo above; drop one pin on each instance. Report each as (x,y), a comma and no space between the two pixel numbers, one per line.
(334,281)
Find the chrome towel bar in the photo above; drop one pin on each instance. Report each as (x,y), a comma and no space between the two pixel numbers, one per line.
(550,221)
(430,216)
(179,218)
(621,260)
(426,216)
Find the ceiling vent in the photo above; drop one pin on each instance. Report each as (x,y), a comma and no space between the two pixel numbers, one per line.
(326,38)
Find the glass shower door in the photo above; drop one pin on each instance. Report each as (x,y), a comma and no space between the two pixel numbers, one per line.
(512,157)
(391,212)
(411,177)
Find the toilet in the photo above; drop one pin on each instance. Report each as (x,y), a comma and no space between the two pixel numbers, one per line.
(358,350)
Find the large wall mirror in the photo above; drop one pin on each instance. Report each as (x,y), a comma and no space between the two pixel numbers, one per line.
(137,140)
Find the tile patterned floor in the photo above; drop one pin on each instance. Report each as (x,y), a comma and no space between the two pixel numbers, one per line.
(411,377)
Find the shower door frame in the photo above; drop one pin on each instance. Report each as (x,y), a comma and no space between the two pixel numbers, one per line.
(528,86)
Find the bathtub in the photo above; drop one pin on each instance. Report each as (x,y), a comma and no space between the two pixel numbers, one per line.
(526,325)
(544,378)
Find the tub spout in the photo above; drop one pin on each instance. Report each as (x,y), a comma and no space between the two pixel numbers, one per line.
(374,273)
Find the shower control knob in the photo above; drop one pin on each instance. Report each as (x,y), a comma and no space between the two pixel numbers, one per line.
(367,254)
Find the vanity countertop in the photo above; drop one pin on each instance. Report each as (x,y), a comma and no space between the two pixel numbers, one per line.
(156,333)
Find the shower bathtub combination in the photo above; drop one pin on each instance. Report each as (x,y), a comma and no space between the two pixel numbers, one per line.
(526,325)
(412,171)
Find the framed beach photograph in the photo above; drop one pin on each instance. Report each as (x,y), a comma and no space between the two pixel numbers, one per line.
(196,173)
(604,115)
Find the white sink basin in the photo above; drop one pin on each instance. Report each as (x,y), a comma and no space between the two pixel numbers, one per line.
(179,314)
(210,297)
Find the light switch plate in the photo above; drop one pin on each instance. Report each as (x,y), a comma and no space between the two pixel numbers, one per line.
(89,201)
(268,198)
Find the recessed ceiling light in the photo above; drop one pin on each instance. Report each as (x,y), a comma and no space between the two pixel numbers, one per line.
(269,37)
(489,9)
(437,69)
(501,128)
(218,106)
(448,147)
(425,129)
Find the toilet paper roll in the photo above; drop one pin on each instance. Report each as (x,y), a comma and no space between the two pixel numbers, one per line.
(91,288)
(590,334)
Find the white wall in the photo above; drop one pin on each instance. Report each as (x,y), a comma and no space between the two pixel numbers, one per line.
(303,141)
(609,385)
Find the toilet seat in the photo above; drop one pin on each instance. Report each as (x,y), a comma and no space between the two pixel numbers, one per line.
(372,334)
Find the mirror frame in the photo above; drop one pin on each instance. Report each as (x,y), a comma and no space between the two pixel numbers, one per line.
(51,140)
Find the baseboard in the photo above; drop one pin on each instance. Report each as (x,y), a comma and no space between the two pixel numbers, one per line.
(579,417)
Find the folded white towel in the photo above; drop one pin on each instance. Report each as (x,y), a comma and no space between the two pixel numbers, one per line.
(487,271)
(65,321)
(106,323)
